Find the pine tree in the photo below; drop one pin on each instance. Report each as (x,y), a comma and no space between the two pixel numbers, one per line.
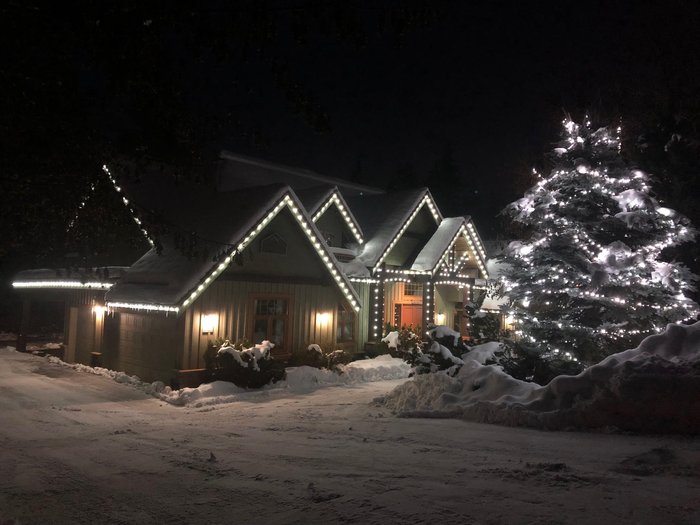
(591,280)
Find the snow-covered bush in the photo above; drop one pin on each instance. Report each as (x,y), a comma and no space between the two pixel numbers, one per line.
(317,358)
(251,367)
(424,357)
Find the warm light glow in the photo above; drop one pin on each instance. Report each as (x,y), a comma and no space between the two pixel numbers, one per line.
(323,318)
(98,310)
(440,319)
(209,323)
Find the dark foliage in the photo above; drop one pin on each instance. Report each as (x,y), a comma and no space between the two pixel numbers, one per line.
(243,369)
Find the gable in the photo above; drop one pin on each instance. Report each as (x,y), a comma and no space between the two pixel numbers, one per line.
(412,239)
(334,218)
(102,231)
(169,281)
(281,251)
(454,250)
(335,229)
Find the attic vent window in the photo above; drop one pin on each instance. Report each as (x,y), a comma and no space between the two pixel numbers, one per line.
(273,243)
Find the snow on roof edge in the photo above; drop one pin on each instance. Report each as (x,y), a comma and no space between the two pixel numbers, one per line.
(284,197)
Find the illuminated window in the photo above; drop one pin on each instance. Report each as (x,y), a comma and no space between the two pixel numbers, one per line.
(413,289)
(346,324)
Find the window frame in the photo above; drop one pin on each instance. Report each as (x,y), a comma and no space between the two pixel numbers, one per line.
(342,312)
(286,348)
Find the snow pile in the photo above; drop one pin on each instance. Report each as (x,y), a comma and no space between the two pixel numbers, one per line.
(301,379)
(157,388)
(380,368)
(216,393)
(652,388)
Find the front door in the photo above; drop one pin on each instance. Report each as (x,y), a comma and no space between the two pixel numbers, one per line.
(410,315)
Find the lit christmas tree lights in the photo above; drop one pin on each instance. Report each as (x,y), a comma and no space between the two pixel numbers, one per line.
(591,280)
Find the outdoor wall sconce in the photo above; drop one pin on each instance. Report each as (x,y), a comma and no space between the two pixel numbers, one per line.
(440,319)
(99,311)
(323,318)
(209,322)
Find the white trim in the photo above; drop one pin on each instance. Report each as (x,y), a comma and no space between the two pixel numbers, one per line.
(344,212)
(77,285)
(307,226)
(126,203)
(427,199)
(144,306)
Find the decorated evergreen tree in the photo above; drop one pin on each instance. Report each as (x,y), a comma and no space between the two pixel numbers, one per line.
(591,279)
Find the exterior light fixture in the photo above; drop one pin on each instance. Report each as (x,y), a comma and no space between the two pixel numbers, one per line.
(209,322)
(323,318)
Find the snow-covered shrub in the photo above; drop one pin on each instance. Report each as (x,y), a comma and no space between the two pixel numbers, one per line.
(251,367)
(424,357)
(403,343)
(448,338)
(317,358)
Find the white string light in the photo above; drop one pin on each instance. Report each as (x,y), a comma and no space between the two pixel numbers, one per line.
(352,224)
(78,285)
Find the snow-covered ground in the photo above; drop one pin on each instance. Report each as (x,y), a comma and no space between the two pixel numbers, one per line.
(81,448)
(652,388)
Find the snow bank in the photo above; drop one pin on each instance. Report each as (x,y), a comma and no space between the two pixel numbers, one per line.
(300,379)
(380,368)
(157,388)
(652,388)
(216,393)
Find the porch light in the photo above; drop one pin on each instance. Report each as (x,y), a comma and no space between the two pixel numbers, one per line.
(440,319)
(99,311)
(209,322)
(323,318)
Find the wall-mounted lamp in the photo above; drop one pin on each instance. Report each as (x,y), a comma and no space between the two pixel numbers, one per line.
(209,323)
(440,319)
(99,311)
(323,318)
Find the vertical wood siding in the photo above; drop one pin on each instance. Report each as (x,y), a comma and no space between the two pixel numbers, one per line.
(363,319)
(232,302)
(150,345)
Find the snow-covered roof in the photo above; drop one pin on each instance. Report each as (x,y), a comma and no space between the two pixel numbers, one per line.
(315,197)
(449,230)
(239,171)
(384,217)
(224,222)
(445,236)
(99,278)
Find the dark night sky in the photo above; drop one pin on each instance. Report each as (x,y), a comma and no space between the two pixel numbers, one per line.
(386,84)
(493,81)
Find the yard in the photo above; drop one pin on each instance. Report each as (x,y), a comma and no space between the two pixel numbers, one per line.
(79,448)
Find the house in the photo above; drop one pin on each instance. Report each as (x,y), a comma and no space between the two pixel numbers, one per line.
(268,252)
